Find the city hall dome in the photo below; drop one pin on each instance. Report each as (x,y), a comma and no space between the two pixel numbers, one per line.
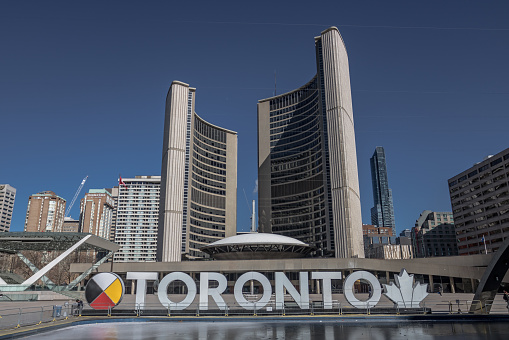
(257,246)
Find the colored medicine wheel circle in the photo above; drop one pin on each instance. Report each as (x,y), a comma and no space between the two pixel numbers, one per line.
(104,290)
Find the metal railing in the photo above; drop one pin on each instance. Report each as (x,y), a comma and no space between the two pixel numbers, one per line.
(19,317)
(29,316)
(272,308)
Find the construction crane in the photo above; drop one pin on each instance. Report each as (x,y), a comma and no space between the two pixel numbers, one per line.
(75,196)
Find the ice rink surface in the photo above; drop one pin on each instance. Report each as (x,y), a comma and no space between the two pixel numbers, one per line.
(277,330)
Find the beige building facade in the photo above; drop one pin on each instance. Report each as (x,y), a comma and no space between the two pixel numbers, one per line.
(45,212)
(480,204)
(308,185)
(198,180)
(96,213)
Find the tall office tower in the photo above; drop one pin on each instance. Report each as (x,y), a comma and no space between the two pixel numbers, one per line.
(308,185)
(45,212)
(96,213)
(382,214)
(198,180)
(433,235)
(137,214)
(7,196)
(480,204)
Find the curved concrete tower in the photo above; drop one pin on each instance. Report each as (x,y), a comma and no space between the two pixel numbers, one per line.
(308,185)
(198,203)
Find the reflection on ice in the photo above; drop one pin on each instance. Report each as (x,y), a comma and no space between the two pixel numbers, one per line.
(298,330)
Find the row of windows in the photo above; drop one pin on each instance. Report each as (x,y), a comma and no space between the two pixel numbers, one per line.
(284,169)
(295,188)
(296,96)
(206,199)
(482,185)
(210,218)
(294,219)
(208,189)
(207,210)
(298,122)
(481,169)
(478,201)
(298,148)
(209,155)
(209,175)
(311,124)
(205,166)
(299,200)
(204,160)
(276,161)
(209,131)
(209,182)
(299,176)
(299,117)
(286,141)
(220,151)
(495,214)
(202,239)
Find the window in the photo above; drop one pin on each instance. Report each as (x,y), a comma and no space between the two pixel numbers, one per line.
(496,161)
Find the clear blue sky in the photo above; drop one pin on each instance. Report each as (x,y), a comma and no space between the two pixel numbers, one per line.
(83,87)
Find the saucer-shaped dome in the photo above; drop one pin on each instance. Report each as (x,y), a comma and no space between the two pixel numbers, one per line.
(252,246)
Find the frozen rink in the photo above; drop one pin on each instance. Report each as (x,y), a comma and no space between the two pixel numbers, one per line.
(277,330)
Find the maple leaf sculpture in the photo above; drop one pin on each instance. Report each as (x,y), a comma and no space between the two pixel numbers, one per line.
(405,293)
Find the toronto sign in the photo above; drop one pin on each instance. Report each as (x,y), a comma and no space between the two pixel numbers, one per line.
(403,292)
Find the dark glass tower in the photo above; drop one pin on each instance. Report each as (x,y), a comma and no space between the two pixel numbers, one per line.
(382,214)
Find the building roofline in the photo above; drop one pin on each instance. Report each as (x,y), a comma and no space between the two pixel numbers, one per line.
(289,92)
(479,164)
(215,126)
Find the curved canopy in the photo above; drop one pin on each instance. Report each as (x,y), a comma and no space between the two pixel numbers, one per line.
(258,238)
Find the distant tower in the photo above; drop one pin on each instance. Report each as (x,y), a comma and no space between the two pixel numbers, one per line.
(382,214)
(7,196)
(308,185)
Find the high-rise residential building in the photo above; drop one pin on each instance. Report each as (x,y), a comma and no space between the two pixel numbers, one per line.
(198,180)
(308,185)
(382,213)
(480,204)
(96,213)
(137,215)
(7,196)
(71,225)
(433,235)
(45,212)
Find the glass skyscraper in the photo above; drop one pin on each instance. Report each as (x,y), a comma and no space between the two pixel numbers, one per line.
(307,163)
(382,214)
